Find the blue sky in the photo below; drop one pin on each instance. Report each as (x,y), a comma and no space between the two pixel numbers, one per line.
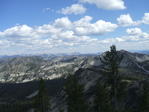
(65,26)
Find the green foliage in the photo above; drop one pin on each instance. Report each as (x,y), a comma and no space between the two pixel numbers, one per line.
(144,105)
(112,60)
(102,101)
(75,95)
(42,100)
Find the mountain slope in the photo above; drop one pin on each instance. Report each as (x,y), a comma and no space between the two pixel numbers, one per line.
(24,69)
(11,92)
(134,67)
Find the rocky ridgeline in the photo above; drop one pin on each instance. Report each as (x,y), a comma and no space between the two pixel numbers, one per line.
(24,69)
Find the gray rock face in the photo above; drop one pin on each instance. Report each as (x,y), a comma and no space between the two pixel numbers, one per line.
(24,69)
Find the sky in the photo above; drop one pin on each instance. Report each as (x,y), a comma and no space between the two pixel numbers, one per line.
(67,26)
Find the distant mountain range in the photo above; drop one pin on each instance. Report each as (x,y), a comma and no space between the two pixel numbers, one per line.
(140,51)
(144,52)
(20,69)
(19,75)
(45,56)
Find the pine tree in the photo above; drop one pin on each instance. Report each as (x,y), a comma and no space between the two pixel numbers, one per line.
(112,60)
(144,105)
(75,95)
(42,100)
(102,102)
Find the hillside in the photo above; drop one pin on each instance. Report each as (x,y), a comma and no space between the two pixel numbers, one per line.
(24,69)
(19,76)
(133,68)
(12,92)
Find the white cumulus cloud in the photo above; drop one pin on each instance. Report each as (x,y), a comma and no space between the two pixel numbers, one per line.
(61,33)
(46,29)
(126,20)
(19,32)
(48,36)
(107,4)
(134,31)
(84,27)
(135,35)
(68,38)
(73,9)
(145,19)
(63,22)
(83,22)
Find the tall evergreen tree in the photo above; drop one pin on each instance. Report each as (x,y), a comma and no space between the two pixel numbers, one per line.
(102,102)
(112,60)
(42,100)
(75,95)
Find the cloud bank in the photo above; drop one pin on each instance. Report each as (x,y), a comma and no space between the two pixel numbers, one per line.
(82,34)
